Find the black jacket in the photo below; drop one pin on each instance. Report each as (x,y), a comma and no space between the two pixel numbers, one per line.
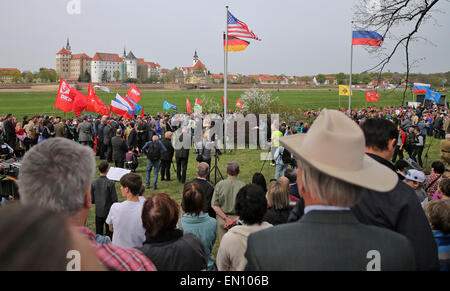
(209,190)
(175,251)
(399,210)
(108,134)
(277,216)
(103,195)
(132,138)
(167,155)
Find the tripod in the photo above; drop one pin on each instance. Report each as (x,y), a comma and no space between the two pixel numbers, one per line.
(426,153)
(216,168)
(267,156)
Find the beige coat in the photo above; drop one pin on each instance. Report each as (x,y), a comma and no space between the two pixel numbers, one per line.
(445,151)
(230,256)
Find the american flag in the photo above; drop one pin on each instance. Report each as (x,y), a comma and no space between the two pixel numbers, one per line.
(238,28)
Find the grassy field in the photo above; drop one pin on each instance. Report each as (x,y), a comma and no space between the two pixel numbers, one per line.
(21,104)
(31,103)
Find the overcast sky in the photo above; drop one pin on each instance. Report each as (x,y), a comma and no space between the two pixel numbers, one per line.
(298,37)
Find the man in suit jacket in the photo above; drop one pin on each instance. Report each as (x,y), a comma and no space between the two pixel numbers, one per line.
(133,138)
(103,195)
(85,132)
(108,134)
(331,175)
(182,147)
(119,149)
(202,173)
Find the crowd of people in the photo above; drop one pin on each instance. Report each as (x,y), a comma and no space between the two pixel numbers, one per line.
(339,196)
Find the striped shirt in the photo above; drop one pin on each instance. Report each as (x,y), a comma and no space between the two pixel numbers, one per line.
(118,258)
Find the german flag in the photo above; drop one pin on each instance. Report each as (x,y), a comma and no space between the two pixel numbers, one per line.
(235,44)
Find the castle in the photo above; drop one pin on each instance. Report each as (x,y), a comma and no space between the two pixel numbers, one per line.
(103,67)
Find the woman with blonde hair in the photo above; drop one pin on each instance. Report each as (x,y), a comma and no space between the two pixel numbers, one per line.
(278,200)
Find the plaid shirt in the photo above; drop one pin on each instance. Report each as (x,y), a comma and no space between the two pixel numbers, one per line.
(118,258)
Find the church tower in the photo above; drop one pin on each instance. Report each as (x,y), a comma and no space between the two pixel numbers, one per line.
(195,58)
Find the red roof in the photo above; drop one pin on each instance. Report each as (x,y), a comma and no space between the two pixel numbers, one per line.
(9,69)
(197,65)
(105,57)
(63,51)
(80,56)
(140,62)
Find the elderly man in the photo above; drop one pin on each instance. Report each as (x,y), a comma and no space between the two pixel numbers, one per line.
(56,174)
(224,199)
(332,169)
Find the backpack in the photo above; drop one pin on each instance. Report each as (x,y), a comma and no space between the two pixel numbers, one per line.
(286,157)
(153,152)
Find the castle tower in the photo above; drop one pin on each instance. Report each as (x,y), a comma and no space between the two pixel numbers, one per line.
(68,48)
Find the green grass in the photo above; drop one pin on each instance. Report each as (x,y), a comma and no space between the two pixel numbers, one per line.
(31,103)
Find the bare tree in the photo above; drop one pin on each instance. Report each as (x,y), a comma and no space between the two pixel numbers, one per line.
(385,16)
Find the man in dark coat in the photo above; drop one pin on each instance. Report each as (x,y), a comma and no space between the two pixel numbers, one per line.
(202,173)
(99,134)
(108,134)
(133,138)
(398,210)
(167,157)
(103,195)
(10,131)
(119,149)
(182,147)
(328,236)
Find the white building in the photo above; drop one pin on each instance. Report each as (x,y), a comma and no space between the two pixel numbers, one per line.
(109,63)
(131,65)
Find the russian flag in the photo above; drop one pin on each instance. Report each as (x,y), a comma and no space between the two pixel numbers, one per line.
(127,104)
(363,37)
(420,88)
(136,106)
(118,108)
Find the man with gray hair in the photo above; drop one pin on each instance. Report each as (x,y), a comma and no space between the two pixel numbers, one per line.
(224,198)
(202,174)
(332,169)
(56,174)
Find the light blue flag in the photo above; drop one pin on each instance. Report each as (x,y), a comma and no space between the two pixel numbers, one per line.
(433,96)
(168,106)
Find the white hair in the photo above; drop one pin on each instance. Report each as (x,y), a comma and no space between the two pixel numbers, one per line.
(56,174)
(330,190)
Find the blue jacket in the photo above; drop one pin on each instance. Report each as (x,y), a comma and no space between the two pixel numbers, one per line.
(204,227)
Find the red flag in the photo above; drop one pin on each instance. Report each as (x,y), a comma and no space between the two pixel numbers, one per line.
(92,99)
(63,99)
(142,112)
(188,106)
(134,94)
(80,101)
(102,108)
(239,104)
(223,100)
(197,101)
(372,96)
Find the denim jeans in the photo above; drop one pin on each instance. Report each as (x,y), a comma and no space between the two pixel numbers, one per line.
(280,168)
(150,166)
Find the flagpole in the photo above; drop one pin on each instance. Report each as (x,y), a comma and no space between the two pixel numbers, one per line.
(351,71)
(225,80)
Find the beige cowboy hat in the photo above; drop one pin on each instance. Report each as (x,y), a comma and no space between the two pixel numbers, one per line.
(335,145)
